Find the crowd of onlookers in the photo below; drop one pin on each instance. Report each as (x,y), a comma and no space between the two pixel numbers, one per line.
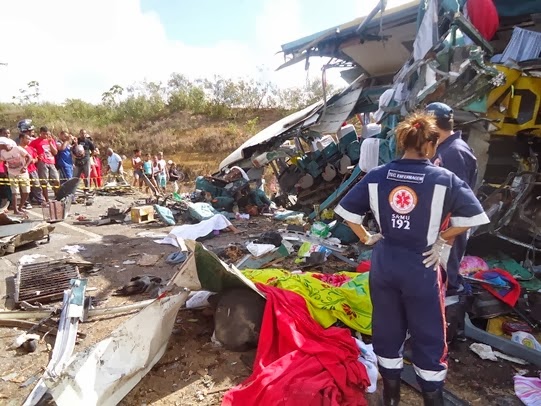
(31,162)
(155,170)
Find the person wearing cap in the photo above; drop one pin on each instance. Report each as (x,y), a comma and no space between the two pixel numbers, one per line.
(456,156)
(411,200)
(45,145)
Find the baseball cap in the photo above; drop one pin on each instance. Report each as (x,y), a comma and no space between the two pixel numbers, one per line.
(440,110)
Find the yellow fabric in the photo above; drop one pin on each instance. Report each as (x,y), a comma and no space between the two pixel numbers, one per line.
(494,326)
(343,296)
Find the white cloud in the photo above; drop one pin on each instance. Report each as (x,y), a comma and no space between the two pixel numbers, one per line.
(78,49)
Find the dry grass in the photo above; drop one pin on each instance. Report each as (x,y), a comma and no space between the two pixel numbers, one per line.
(197,143)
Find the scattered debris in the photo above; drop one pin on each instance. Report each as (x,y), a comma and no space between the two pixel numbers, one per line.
(509,358)
(526,339)
(142,284)
(73,249)
(237,319)
(199,299)
(139,343)
(148,260)
(44,282)
(27,341)
(30,258)
(143,214)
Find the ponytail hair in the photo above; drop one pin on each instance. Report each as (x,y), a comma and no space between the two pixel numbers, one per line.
(415,132)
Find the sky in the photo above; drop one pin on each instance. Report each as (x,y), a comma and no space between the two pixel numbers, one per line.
(80,48)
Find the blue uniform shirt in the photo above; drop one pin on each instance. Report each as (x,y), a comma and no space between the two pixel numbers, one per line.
(457,156)
(410,199)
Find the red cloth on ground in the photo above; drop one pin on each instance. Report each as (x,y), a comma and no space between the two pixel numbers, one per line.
(298,362)
(363,267)
(484,16)
(509,296)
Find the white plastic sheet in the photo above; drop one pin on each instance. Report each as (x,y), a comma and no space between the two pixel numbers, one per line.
(195,231)
(259,249)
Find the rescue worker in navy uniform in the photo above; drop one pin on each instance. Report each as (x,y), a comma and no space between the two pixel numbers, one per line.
(455,155)
(411,200)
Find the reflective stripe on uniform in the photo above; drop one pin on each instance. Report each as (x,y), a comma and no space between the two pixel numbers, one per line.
(436,210)
(477,220)
(348,216)
(374,201)
(391,363)
(430,376)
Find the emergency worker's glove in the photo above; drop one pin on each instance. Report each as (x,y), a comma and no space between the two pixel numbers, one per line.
(373,238)
(435,254)
(445,255)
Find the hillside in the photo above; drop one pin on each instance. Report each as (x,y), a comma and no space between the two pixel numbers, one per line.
(195,123)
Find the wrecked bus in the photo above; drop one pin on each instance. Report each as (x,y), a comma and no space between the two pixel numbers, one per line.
(487,67)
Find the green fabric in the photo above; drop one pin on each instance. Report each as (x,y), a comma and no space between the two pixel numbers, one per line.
(211,272)
(343,296)
(508,264)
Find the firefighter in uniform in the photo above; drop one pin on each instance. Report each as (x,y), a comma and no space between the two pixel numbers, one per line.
(411,200)
(454,154)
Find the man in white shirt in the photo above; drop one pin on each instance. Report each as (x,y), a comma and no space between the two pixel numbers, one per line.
(17,160)
(163,175)
(114,166)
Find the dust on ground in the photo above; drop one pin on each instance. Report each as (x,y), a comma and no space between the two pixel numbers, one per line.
(192,371)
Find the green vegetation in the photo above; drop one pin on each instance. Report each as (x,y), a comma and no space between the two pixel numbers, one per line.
(197,122)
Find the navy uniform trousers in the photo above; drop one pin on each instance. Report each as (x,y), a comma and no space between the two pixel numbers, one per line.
(407,296)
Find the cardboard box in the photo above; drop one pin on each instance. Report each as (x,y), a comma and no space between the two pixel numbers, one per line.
(143,214)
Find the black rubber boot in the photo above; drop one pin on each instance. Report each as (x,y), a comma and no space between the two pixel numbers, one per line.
(391,392)
(433,398)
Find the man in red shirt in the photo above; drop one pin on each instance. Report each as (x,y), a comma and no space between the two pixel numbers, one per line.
(46,148)
(35,191)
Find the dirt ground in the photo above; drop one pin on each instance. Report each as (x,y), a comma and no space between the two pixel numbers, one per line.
(193,371)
